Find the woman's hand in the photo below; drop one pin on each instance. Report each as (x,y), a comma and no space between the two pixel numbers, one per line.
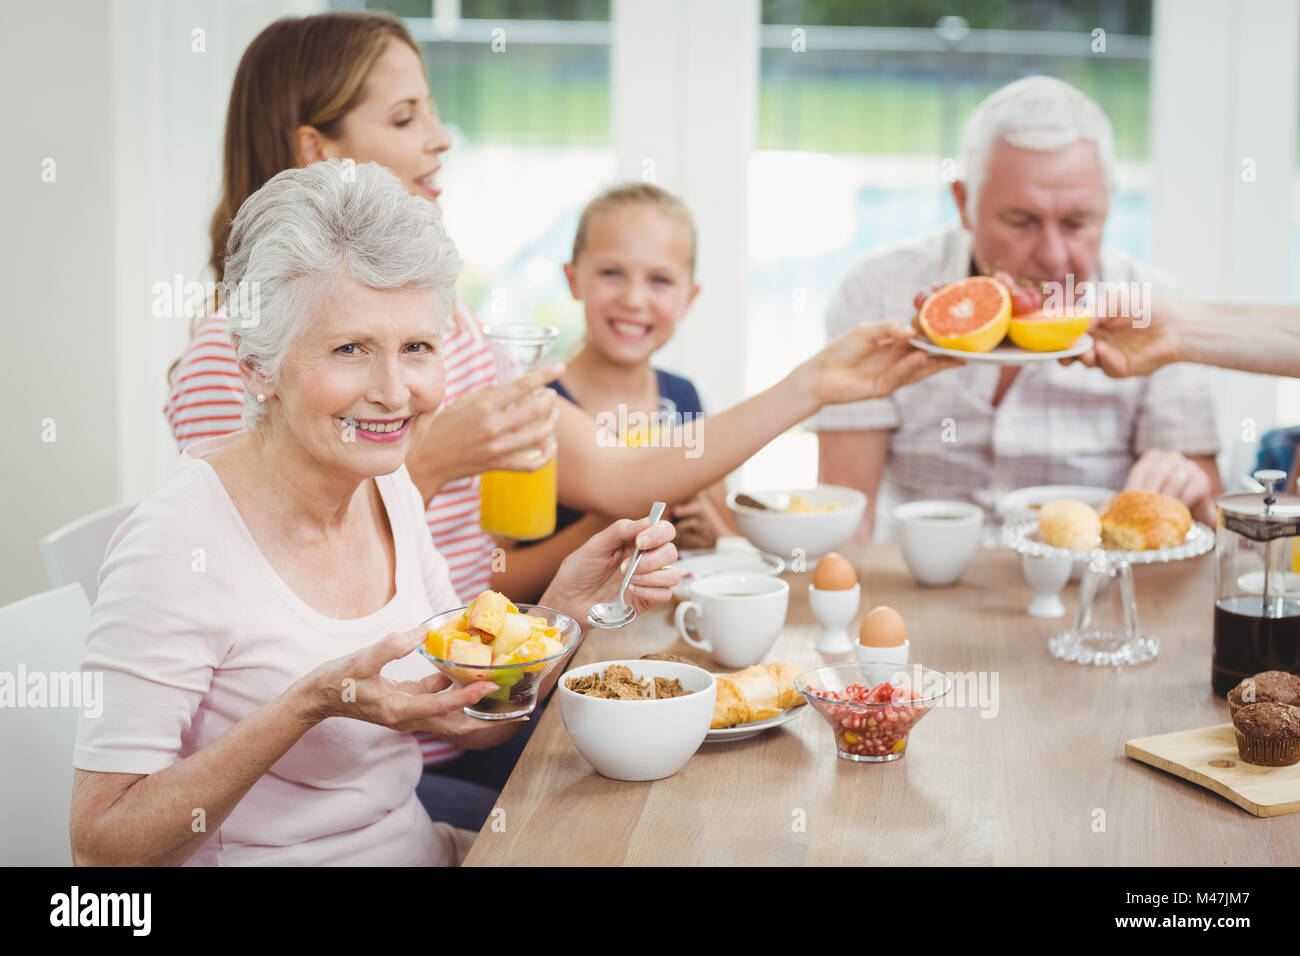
(870,360)
(489,429)
(1125,345)
(592,574)
(352,686)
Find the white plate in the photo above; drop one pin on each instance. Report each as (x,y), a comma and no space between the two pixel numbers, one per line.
(753,728)
(1016,505)
(1023,536)
(1006,353)
(696,565)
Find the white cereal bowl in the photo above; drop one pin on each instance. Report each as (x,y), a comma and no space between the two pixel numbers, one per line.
(809,533)
(639,739)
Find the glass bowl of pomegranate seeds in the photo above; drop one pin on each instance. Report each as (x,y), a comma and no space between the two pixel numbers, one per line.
(871,721)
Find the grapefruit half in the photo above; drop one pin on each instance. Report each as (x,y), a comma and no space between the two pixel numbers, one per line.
(1037,332)
(970,315)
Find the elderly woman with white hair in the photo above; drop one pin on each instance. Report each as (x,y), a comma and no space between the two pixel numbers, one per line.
(255,712)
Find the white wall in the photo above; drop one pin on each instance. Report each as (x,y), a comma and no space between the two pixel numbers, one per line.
(56,271)
(171,88)
(684,98)
(133,117)
(1225,78)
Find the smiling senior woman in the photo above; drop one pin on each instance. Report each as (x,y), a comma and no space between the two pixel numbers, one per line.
(289,549)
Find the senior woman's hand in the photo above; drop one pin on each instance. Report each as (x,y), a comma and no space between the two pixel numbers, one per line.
(352,686)
(592,574)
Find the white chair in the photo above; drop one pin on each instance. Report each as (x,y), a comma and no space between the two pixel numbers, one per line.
(42,638)
(74,553)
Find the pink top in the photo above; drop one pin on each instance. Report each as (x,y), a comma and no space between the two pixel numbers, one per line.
(207,399)
(194,630)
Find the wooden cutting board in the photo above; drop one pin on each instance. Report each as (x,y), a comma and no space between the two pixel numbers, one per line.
(1208,756)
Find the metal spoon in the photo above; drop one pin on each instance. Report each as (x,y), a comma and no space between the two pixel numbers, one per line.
(781,502)
(619,613)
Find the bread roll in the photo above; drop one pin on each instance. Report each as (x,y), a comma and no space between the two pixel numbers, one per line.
(1144,520)
(1069,524)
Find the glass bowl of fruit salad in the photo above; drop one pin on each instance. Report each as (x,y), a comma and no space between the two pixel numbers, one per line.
(514,646)
(871,721)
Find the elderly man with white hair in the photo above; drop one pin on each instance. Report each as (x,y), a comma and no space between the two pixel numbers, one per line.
(254,710)
(1037,176)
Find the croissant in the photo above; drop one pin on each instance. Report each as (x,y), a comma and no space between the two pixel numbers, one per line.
(755,693)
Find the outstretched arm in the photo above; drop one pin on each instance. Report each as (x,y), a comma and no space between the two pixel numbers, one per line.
(868,361)
(1263,339)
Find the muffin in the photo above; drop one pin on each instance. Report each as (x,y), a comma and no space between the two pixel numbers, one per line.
(1277,687)
(1144,521)
(1069,524)
(1268,734)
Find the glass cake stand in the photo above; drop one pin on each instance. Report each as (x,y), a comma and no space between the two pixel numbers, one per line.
(1105,631)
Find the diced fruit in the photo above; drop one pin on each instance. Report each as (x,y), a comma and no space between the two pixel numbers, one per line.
(505,680)
(514,632)
(533,649)
(969,315)
(468,652)
(488,612)
(437,641)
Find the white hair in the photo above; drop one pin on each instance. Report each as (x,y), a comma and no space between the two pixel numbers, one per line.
(1037,112)
(308,225)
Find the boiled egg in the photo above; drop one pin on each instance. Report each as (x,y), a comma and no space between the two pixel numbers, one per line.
(882,627)
(834,573)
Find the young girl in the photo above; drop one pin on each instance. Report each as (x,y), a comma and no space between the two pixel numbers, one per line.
(633,268)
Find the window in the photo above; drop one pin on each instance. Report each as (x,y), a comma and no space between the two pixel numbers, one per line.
(853,132)
(523,88)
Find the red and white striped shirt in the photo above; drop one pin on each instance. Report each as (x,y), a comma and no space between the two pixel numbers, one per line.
(207,399)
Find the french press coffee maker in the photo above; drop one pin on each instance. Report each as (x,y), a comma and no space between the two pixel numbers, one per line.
(1257,584)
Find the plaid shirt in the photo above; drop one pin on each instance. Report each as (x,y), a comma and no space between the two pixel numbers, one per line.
(1055,425)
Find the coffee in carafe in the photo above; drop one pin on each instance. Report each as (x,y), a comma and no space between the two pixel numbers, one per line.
(1257,583)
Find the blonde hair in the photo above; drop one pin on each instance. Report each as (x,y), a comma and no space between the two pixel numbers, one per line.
(629,194)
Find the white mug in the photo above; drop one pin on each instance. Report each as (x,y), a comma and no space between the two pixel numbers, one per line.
(737,616)
(938,538)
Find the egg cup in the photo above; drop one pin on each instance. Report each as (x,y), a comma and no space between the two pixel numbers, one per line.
(879,664)
(1047,576)
(835,610)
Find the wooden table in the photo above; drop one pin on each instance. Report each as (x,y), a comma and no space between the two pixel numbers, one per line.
(1043,781)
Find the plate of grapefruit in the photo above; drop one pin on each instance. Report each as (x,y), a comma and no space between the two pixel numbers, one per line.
(993,319)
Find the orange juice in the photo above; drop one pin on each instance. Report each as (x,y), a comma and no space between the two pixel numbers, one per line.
(518,504)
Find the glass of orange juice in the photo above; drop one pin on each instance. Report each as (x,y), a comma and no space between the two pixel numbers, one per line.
(519,504)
